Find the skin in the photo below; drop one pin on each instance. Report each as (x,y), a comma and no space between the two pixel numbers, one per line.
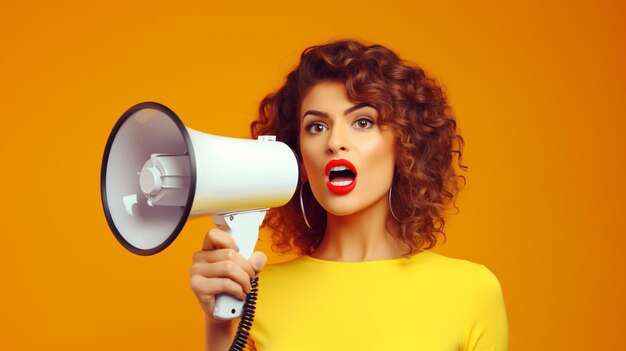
(332,127)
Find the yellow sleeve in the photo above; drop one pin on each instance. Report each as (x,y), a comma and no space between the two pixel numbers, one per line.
(487,321)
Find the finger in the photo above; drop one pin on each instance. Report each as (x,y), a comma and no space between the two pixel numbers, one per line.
(206,287)
(218,239)
(258,260)
(223,269)
(224,255)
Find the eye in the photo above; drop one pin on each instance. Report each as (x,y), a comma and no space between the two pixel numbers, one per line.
(364,123)
(315,127)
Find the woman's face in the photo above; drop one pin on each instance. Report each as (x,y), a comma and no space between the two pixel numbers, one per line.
(348,157)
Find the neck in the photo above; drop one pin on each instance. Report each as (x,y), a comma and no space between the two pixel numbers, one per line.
(362,236)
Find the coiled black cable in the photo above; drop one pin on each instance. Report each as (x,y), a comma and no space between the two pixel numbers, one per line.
(247,316)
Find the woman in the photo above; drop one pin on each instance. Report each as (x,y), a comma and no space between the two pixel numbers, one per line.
(378,147)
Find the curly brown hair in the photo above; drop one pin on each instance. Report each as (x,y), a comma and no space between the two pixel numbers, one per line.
(412,104)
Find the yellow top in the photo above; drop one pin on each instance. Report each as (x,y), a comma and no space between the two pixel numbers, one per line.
(426,302)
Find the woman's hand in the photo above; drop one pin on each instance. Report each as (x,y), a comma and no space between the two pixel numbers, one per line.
(219,268)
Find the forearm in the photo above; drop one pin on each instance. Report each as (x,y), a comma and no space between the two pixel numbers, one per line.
(218,335)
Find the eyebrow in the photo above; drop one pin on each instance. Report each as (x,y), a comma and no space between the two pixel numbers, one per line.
(351,109)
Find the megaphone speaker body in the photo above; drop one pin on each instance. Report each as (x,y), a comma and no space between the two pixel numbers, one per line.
(157,173)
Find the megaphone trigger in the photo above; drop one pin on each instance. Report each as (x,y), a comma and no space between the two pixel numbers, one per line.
(243,227)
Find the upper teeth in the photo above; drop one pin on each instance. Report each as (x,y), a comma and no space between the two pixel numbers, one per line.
(339,168)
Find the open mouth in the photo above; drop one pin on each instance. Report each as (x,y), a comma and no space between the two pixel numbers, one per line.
(340,176)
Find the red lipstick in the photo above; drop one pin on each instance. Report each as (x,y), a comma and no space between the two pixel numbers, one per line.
(340,176)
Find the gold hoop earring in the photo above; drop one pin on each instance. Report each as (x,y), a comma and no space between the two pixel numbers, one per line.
(306,221)
(390,207)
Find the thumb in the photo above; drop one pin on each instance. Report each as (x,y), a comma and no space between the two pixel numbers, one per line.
(258,260)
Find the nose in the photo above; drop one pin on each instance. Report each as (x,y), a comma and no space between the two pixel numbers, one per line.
(337,140)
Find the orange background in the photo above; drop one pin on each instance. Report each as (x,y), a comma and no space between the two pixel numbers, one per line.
(538,87)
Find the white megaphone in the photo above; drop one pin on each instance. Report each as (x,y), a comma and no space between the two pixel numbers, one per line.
(156,173)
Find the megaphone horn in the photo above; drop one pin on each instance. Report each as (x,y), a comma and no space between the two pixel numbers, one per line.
(157,173)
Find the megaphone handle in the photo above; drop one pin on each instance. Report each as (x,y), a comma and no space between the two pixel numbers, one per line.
(244,228)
